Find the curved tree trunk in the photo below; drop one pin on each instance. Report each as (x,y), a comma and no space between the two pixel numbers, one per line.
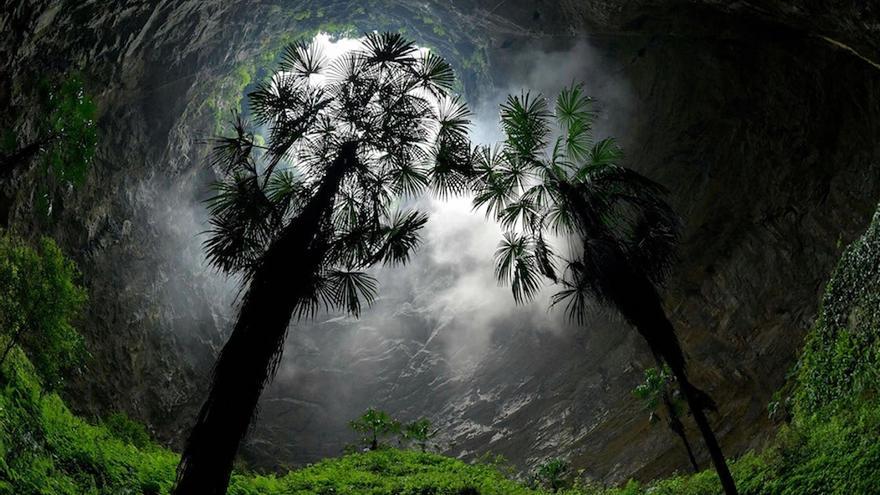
(635,296)
(645,312)
(677,427)
(285,277)
(674,422)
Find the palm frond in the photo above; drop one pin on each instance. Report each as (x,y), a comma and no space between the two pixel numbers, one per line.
(605,152)
(574,107)
(408,178)
(434,74)
(494,194)
(233,154)
(303,59)
(521,213)
(388,48)
(525,121)
(451,166)
(515,265)
(453,116)
(576,293)
(349,290)
(400,237)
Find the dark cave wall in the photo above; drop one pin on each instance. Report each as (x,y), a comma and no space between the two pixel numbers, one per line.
(765,132)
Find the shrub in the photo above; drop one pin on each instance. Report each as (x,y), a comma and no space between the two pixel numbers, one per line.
(39,298)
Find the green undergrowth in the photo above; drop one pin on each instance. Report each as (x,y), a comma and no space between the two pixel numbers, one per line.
(47,450)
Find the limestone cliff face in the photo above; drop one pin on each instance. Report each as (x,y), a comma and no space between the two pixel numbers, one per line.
(762,119)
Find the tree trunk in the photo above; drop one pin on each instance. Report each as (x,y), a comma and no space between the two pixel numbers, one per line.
(284,278)
(647,315)
(11,344)
(635,296)
(677,427)
(698,409)
(674,421)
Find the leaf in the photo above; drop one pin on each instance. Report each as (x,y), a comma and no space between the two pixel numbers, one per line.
(515,264)
(525,121)
(453,116)
(434,74)
(401,237)
(348,288)
(303,59)
(388,49)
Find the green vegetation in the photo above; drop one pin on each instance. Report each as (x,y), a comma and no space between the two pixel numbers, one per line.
(39,298)
(420,433)
(62,138)
(69,129)
(657,390)
(830,447)
(374,425)
(552,475)
(831,444)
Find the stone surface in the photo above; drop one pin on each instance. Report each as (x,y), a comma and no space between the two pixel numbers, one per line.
(762,118)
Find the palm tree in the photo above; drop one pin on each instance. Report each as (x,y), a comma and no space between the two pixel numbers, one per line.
(550,182)
(303,217)
(655,391)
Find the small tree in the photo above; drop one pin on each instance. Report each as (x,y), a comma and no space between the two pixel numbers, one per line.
(374,425)
(420,433)
(657,390)
(63,138)
(552,475)
(38,300)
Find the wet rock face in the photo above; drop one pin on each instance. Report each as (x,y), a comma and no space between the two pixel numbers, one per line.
(763,122)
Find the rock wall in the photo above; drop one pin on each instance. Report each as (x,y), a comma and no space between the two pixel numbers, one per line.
(762,118)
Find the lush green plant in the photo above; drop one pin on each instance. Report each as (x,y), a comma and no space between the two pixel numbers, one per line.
(64,138)
(127,430)
(39,299)
(46,450)
(552,474)
(374,425)
(656,391)
(841,359)
(419,432)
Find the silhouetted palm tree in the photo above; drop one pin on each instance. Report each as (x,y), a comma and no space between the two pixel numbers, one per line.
(304,216)
(549,181)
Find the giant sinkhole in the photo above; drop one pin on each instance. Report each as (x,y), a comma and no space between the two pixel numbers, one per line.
(699,95)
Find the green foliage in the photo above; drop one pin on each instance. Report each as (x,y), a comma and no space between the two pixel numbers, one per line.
(374,425)
(127,430)
(841,360)
(552,475)
(831,445)
(68,137)
(39,298)
(651,390)
(70,119)
(419,432)
(46,450)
